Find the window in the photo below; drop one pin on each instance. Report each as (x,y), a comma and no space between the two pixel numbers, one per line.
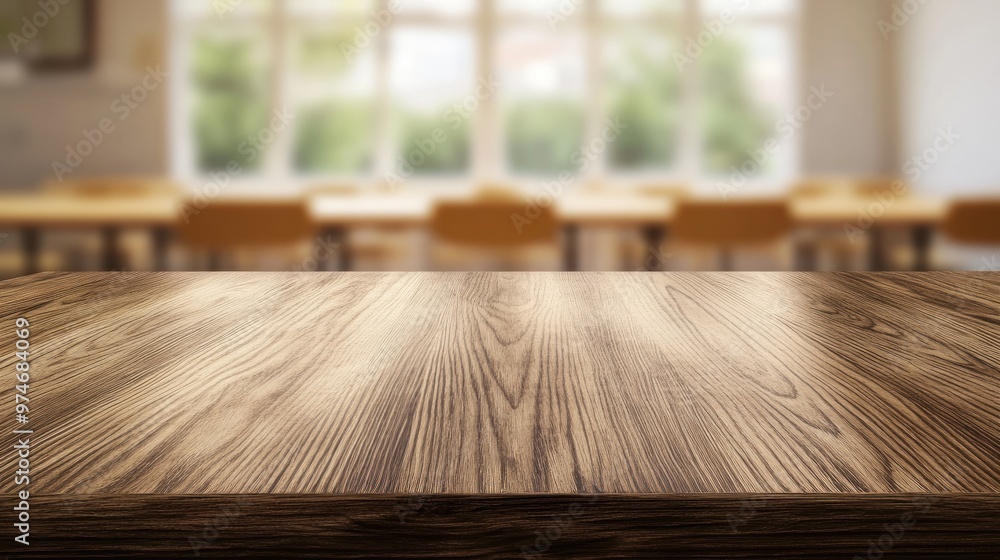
(474,91)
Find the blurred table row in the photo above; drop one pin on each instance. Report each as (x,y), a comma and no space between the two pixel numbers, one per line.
(160,214)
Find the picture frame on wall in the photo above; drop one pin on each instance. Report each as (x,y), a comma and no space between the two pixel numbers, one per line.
(57,36)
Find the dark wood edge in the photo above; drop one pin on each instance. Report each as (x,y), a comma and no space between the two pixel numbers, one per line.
(706,526)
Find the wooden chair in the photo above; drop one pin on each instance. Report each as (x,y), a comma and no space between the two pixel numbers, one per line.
(229,226)
(496,221)
(974,222)
(726,226)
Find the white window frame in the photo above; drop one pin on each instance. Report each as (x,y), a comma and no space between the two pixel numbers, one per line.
(487,162)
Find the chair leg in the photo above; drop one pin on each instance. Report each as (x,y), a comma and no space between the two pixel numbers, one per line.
(161,242)
(806,257)
(726,259)
(922,238)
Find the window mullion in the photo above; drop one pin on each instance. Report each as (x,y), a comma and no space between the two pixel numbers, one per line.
(594,106)
(485,149)
(383,137)
(691,137)
(279,164)
(181,101)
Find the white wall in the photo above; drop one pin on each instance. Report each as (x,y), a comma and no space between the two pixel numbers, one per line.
(844,50)
(43,114)
(950,77)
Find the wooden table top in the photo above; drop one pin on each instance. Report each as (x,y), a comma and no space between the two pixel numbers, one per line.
(615,210)
(839,210)
(416,210)
(56,211)
(697,416)
(332,210)
(504,383)
(413,210)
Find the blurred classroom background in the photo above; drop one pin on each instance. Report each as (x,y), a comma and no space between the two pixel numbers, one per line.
(499,135)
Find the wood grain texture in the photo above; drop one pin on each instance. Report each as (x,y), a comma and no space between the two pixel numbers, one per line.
(498,385)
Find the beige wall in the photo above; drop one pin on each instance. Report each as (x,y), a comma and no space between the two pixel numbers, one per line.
(844,49)
(45,113)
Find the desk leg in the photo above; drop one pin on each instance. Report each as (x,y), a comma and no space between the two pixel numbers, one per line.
(110,249)
(161,241)
(571,248)
(338,236)
(806,255)
(654,236)
(922,237)
(876,249)
(30,247)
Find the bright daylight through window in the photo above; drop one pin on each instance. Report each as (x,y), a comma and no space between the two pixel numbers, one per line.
(474,91)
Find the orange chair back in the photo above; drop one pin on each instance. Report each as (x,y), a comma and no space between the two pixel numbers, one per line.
(727,224)
(974,221)
(222,224)
(494,222)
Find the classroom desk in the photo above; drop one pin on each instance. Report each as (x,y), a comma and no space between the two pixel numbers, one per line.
(33,214)
(336,215)
(650,214)
(919,215)
(684,415)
